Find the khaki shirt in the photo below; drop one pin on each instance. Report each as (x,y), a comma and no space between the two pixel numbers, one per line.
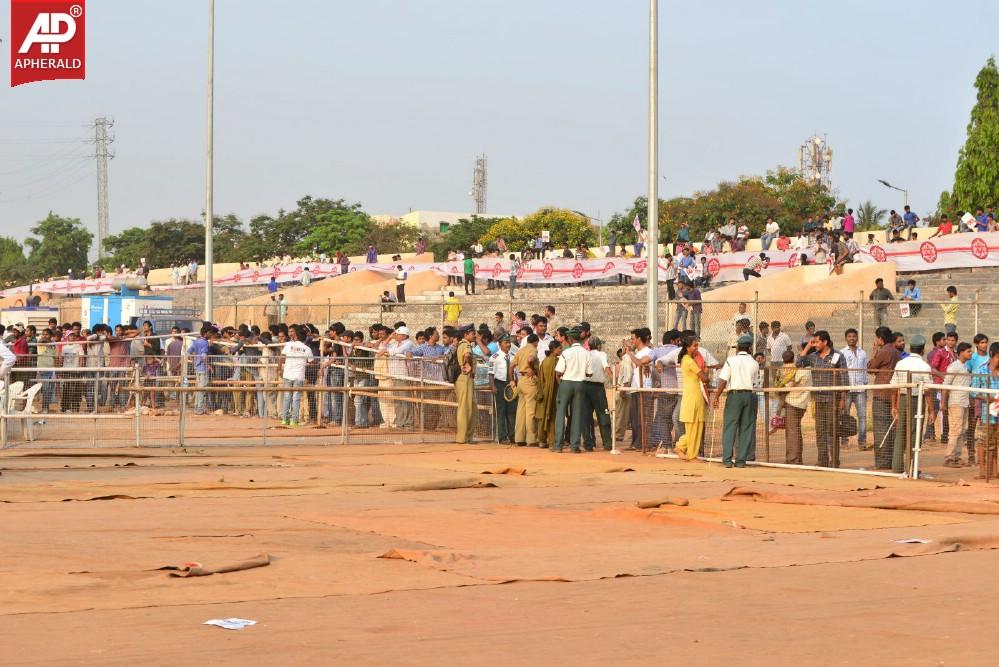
(465,349)
(522,360)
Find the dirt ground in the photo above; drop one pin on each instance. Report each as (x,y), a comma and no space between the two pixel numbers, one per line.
(448,554)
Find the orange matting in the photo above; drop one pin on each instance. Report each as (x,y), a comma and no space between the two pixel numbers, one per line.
(481,554)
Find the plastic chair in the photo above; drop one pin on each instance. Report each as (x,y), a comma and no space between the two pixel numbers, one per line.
(29,398)
(13,390)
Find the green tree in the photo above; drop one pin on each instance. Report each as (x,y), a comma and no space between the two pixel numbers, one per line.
(622,225)
(328,224)
(389,237)
(14,269)
(870,217)
(782,195)
(462,235)
(126,247)
(227,238)
(174,241)
(798,197)
(57,245)
(976,180)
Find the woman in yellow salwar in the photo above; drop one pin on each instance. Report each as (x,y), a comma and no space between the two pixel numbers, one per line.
(693,405)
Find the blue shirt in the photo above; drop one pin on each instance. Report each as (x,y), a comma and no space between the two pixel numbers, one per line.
(910,219)
(987,381)
(979,363)
(272,286)
(687,261)
(199,348)
(982,223)
(428,350)
(912,293)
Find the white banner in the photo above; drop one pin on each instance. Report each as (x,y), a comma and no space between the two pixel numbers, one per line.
(963,250)
(953,251)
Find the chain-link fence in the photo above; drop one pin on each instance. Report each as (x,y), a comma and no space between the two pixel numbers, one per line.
(882,420)
(240,399)
(794,416)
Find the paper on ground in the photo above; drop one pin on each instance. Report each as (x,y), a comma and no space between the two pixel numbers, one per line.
(913,540)
(231,623)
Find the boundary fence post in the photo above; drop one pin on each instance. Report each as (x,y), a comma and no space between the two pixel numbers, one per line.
(137,379)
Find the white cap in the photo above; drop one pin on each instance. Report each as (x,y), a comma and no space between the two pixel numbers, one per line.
(404,331)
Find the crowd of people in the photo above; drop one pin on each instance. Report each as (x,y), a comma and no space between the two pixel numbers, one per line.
(542,383)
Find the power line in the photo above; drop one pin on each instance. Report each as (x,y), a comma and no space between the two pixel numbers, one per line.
(67,180)
(61,169)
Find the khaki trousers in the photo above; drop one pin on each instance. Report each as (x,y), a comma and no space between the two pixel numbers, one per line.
(465,392)
(957,417)
(526,428)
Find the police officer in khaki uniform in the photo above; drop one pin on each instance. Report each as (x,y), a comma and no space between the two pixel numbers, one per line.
(464,387)
(526,364)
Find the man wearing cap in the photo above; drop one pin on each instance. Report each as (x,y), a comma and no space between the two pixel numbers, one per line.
(525,364)
(500,375)
(739,422)
(400,350)
(912,369)
(595,391)
(573,368)
(464,386)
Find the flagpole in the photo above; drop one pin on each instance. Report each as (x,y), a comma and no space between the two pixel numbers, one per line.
(652,253)
(210,170)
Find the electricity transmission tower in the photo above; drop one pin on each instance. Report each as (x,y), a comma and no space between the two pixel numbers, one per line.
(479,183)
(102,141)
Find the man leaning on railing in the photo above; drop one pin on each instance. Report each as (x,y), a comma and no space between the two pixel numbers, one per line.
(827,371)
(911,369)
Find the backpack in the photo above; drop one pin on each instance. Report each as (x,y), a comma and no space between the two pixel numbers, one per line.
(451,368)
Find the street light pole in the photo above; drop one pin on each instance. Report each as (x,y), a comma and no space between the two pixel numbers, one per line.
(905,193)
(210,169)
(600,225)
(652,276)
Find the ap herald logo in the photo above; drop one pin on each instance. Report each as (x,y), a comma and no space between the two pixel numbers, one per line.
(47,40)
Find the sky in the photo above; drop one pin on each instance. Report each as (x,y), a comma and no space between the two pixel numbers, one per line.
(387,103)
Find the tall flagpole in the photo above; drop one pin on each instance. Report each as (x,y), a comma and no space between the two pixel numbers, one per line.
(210,168)
(652,252)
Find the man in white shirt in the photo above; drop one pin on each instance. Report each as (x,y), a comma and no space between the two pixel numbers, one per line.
(956,402)
(544,338)
(306,277)
(400,284)
(595,389)
(295,356)
(770,232)
(742,314)
(856,362)
(914,369)
(777,342)
(400,351)
(739,421)
(573,368)
(500,376)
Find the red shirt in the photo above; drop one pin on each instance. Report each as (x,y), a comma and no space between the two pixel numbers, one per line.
(941,360)
(945,227)
(783,243)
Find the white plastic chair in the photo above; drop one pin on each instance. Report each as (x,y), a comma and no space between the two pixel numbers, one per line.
(29,398)
(13,390)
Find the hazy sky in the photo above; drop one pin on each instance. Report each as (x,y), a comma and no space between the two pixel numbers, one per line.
(388,102)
